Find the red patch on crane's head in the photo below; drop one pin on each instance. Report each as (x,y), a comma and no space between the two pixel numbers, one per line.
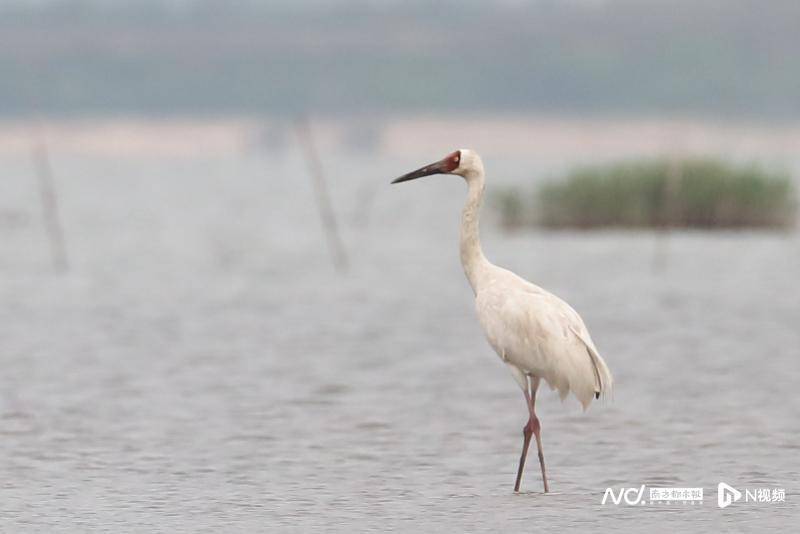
(452,161)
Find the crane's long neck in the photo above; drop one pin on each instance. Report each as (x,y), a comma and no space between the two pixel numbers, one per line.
(475,263)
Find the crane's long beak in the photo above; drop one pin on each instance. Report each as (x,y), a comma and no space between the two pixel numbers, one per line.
(440,167)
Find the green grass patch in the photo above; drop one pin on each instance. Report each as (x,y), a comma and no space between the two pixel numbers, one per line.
(690,193)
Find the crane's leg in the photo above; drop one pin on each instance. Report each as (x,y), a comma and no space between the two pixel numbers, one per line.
(536,428)
(527,430)
(532,428)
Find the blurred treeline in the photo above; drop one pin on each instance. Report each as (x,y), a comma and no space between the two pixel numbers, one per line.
(712,57)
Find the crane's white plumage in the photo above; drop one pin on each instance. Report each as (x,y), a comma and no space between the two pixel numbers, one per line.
(538,335)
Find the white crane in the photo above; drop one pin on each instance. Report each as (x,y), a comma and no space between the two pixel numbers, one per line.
(538,335)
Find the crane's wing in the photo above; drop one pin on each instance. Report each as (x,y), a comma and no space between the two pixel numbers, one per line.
(542,335)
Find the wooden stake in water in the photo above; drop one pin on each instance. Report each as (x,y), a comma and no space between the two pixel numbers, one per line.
(669,213)
(324,206)
(49,198)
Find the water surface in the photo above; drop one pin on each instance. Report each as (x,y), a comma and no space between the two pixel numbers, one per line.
(202,367)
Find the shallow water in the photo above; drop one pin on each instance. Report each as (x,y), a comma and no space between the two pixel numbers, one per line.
(202,367)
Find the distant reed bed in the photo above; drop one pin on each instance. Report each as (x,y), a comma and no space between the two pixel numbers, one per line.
(690,193)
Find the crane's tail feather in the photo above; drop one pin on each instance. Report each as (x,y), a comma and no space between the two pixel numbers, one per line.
(603,380)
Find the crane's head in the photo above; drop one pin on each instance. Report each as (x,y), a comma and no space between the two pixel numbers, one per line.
(462,162)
